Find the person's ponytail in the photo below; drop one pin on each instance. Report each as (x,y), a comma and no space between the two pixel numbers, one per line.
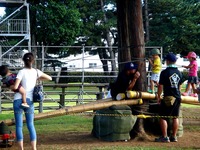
(28,59)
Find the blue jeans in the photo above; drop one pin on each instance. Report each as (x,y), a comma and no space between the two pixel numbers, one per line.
(29,114)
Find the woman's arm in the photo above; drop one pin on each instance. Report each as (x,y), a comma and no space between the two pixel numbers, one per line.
(16,85)
(45,76)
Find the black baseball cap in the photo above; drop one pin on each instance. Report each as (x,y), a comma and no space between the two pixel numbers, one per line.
(170,57)
(130,66)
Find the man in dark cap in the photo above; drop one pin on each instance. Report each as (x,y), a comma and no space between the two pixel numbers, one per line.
(126,79)
(169,83)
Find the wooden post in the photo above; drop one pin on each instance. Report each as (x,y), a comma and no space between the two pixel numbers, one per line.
(40,107)
(62,98)
(101,93)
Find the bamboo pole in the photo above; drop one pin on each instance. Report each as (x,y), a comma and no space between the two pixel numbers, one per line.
(80,108)
(143,95)
(149,96)
(189,99)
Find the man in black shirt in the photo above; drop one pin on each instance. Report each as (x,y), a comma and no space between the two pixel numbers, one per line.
(126,79)
(169,83)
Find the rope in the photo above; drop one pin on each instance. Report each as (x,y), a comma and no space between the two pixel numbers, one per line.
(141,116)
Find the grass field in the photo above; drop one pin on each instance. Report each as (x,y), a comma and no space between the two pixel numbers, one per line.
(73,132)
(72,127)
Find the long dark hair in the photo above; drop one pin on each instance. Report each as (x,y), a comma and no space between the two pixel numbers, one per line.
(28,59)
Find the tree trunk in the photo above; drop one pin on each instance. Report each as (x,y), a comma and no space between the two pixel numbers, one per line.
(108,39)
(33,29)
(132,48)
(123,32)
(103,57)
(146,14)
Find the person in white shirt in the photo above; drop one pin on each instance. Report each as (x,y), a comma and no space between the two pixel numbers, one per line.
(27,78)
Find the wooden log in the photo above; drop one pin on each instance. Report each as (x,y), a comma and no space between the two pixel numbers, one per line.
(143,95)
(80,108)
(149,96)
(189,99)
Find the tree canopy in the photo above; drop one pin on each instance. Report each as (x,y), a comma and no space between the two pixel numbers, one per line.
(175,25)
(57,23)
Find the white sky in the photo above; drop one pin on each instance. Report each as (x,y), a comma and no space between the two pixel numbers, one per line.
(2,12)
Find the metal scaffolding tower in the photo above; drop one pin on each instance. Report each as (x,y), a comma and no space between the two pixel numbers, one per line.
(14,31)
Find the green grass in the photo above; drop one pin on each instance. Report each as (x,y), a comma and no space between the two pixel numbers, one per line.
(79,123)
(4,116)
(190,106)
(65,123)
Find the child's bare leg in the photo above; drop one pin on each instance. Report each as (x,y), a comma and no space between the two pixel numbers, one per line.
(152,85)
(188,87)
(193,87)
(156,82)
(23,93)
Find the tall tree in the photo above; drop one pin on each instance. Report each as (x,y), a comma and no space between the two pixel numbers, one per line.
(146,20)
(99,22)
(55,23)
(174,24)
(108,39)
(131,44)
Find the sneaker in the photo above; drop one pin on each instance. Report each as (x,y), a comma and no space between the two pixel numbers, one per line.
(25,105)
(194,95)
(173,139)
(185,94)
(150,91)
(162,139)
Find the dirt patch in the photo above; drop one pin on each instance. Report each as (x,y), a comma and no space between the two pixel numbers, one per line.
(84,140)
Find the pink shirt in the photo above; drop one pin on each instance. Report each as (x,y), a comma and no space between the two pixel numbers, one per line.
(194,69)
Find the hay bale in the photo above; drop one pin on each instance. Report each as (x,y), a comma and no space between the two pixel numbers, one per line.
(113,123)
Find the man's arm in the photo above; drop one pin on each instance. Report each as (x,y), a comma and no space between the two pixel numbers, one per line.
(160,89)
(133,81)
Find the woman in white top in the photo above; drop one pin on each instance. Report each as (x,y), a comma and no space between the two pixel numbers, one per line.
(27,77)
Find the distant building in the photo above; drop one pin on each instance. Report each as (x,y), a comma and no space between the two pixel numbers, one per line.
(86,62)
(92,63)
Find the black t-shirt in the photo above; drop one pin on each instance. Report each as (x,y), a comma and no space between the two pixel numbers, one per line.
(171,79)
(121,84)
